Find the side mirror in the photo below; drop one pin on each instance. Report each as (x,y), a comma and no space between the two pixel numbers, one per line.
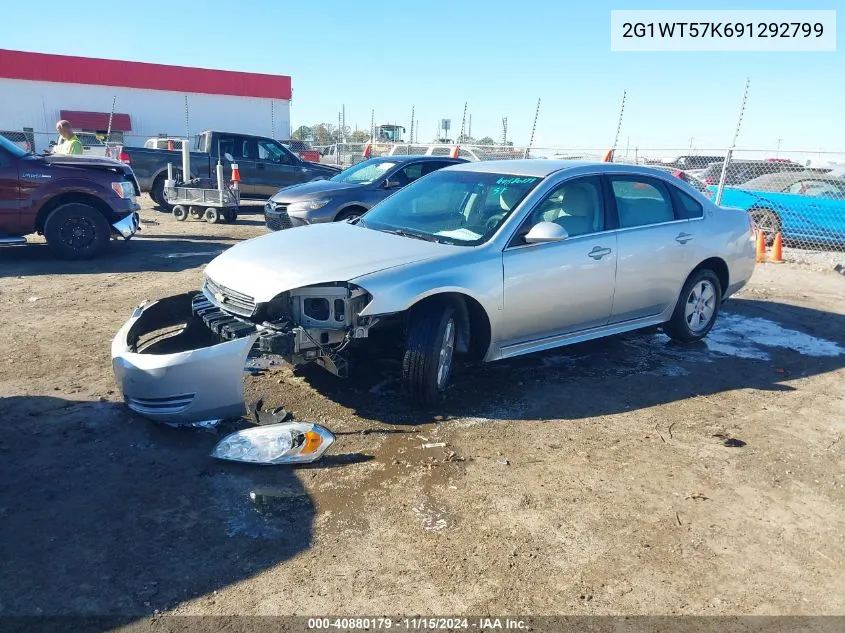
(229,157)
(544,232)
(392,184)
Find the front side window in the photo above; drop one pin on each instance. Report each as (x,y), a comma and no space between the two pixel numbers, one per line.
(641,201)
(575,205)
(274,153)
(453,207)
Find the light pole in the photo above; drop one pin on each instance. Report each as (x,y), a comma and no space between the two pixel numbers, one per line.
(777,155)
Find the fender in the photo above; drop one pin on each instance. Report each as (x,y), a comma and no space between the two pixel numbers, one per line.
(41,195)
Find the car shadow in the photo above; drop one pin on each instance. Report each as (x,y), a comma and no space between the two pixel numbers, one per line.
(137,255)
(754,345)
(133,515)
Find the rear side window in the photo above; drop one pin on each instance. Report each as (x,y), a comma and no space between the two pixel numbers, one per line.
(687,208)
(641,201)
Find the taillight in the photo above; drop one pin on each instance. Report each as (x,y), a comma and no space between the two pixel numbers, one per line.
(123,157)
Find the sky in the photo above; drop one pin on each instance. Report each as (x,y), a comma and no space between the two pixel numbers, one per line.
(498,57)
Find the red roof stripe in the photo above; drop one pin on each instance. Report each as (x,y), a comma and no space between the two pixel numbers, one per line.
(109,72)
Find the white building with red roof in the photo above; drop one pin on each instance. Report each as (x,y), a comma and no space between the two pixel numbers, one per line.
(142,100)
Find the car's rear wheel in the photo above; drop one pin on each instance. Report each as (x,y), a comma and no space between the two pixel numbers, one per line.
(768,222)
(697,307)
(157,192)
(180,213)
(429,352)
(76,231)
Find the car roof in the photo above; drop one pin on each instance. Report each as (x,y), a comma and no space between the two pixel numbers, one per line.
(770,182)
(404,158)
(546,167)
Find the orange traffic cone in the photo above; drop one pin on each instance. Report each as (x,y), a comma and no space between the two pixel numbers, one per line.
(777,250)
(170,145)
(454,153)
(368,150)
(608,158)
(761,246)
(236,173)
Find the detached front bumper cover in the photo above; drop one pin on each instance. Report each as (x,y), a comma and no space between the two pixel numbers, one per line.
(171,368)
(128,226)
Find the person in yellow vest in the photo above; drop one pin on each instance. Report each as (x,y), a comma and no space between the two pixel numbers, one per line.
(68,143)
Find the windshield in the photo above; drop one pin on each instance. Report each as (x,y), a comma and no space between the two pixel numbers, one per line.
(10,147)
(365,173)
(454,207)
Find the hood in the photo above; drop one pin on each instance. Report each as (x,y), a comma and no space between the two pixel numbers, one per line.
(322,167)
(83,161)
(310,190)
(318,253)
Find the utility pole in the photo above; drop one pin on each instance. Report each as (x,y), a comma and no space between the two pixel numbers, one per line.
(777,154)
(343,122)
(533,129)
(411,140)
(469,130)
(373,126)
(619,123)
(730,152)
(504,130)
(463,124)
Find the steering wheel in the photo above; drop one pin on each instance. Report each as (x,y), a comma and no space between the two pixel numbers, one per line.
(493,220)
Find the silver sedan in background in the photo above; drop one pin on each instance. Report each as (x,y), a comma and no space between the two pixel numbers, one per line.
(485,260)
(350,193)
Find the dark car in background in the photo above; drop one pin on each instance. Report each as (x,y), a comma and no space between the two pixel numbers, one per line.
(78,203)
(264,164)
(692,162)
(740,171)
(349,194)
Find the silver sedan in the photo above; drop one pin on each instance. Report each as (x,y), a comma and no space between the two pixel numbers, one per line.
(485,260)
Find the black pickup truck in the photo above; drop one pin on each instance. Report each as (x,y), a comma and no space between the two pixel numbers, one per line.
(265,165)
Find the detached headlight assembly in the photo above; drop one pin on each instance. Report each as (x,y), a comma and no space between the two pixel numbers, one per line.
(273,444)
(123,189)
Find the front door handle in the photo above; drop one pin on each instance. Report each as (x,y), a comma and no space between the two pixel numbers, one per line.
(598,252)
(683,238)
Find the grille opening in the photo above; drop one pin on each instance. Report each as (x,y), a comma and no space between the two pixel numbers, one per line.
(339,310)
(316,308)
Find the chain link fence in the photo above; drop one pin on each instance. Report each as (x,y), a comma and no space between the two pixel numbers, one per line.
(797,194)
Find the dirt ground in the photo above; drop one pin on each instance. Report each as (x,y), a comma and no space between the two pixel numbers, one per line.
(628,476)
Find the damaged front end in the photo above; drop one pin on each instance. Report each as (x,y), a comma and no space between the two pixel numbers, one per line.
(182,359)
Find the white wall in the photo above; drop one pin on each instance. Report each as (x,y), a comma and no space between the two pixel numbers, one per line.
(37,105)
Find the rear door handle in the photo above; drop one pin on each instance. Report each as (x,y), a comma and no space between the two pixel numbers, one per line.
(598,252)
(683,238)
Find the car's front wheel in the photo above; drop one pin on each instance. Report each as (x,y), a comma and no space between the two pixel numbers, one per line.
(429,352)
(77,231)
(697,308)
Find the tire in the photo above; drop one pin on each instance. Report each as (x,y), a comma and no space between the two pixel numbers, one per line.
(768,222)
(212,215)
(701,296)
(429,352)
(180,213)
(77,231)
(157,192)
(195,213)
(349,214)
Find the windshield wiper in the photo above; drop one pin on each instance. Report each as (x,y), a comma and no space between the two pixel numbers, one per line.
(425,238)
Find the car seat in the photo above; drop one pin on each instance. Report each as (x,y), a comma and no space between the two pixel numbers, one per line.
(580,211)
